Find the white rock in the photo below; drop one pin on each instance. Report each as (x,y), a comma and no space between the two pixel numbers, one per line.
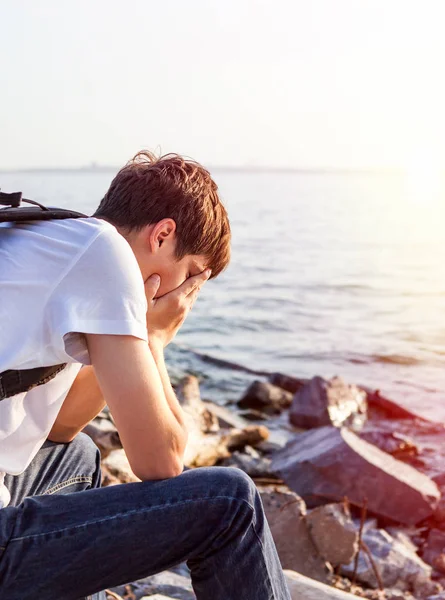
(303,588)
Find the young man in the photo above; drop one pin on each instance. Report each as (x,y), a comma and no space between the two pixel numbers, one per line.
(110,292)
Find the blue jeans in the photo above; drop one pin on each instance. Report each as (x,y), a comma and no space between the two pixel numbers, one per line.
(64,537)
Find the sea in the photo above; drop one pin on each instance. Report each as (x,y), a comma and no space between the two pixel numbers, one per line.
(333,273)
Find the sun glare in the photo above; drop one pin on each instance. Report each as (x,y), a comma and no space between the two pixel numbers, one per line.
(424,180)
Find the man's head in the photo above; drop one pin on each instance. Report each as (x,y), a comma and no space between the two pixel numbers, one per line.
(169,210)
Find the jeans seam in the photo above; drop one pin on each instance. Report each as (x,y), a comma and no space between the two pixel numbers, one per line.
(131,513)
(64,484)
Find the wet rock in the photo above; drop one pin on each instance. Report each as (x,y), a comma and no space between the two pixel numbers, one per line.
(382,407)
(397,564)
(286,513)
(288,383)
(321,402)
(391,442)
(333,533)
(439,513)
(329,464)
(434,550)
(303,588)
(265,397)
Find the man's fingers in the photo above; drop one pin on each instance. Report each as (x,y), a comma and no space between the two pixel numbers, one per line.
(151,286)
(195,282)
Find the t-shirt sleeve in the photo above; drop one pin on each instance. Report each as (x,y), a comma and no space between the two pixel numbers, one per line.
(102,293)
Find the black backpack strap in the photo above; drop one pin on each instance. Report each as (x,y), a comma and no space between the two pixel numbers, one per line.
(14,382)
(15,212)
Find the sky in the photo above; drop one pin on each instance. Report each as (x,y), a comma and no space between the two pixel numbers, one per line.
(283,83)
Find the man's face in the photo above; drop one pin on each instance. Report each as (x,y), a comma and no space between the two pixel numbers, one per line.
(154,247)
(173,273)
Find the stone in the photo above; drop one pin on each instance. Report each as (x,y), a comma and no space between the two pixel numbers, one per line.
(392,594)
(329,464)
(166,584)
(157,597)
(206,447)
(286,514)
(304,588)
(190,398)
(117,465)
(266,398)
(254,466)
(253,415)
(249,436)
(226,417)
(104,434)
(333,533)
(328,402)
(391,442)
(434,550)
(440,596)
(286,382)
(397,564)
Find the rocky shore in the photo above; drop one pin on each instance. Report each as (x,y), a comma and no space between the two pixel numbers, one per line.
(351,483)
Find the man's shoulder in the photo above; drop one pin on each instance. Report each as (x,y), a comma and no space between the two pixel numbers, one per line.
(86,236)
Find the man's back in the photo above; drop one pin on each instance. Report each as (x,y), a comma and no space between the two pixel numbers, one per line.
(58,278)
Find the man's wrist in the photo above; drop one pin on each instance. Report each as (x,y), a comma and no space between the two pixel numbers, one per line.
(156,344)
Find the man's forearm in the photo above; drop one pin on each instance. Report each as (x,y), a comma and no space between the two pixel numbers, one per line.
(157,351)
(83,402)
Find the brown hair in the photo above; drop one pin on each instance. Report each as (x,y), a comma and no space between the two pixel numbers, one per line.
(150,188)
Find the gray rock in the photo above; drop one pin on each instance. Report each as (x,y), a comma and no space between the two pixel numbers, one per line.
(333,533)
(116,463)
(321,402)
(440,596)
(327,464)
(398,565)
(392,594)
(157,597)
(251,463)
(266,398)
(303,588)
(434,550)
(286,382)
(286,513)
(392,442)
(167,584)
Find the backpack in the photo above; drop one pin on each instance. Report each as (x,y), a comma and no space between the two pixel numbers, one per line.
(14,382)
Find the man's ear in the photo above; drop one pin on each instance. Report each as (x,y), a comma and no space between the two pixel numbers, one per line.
(161,233)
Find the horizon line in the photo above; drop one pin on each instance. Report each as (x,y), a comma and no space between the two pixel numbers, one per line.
(95,168)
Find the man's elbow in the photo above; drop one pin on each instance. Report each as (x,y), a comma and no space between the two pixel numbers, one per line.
(62,435)
(161,470)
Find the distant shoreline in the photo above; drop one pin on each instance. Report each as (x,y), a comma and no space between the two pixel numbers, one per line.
(231,169)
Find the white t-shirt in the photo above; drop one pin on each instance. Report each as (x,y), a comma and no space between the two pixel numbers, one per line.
(58,281)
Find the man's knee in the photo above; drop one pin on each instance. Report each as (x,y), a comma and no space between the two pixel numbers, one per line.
(229,482)
(84,451)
